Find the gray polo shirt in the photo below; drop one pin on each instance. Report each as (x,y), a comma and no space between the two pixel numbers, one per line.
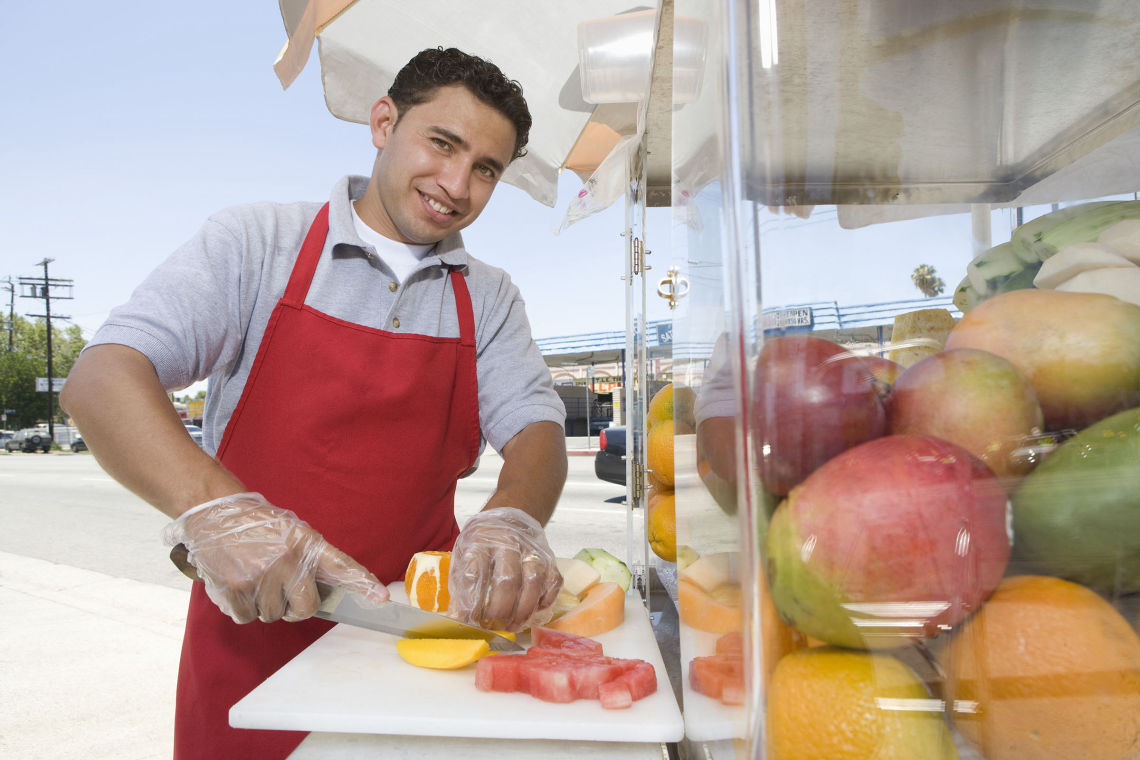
(202,312)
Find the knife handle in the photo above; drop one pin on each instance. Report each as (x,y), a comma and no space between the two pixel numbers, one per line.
(180,556)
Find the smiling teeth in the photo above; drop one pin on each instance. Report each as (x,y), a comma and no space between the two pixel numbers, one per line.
(439,207)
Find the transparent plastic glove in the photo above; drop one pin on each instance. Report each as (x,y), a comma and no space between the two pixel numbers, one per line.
(262,562)
(503,574)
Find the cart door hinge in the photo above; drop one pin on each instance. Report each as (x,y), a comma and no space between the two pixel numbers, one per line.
(638,252)
(638,482)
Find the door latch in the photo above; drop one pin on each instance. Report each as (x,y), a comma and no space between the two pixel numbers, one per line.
(673,288)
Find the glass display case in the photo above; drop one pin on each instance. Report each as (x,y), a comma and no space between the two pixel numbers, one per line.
(905,400)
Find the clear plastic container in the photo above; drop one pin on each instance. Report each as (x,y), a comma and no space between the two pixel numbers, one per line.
(912,480)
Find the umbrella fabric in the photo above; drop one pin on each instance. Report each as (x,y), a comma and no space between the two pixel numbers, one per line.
(363,44)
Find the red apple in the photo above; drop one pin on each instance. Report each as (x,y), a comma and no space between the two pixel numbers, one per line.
(812,400)
(895,540)
(884,371)
(973,398)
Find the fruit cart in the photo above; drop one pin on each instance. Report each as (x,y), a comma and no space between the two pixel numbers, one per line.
(907,500)
(891,489)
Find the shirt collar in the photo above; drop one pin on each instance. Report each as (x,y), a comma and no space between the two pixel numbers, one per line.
(449,251)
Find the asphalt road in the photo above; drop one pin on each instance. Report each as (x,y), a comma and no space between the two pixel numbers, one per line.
(94,610)
(63,508)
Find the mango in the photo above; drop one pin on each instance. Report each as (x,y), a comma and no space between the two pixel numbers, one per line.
(1077,515)
(892,541)
(1080,351)
(442,654)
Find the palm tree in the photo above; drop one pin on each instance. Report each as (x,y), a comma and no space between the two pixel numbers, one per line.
(927,280)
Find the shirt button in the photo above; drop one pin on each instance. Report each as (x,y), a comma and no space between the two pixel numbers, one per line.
(396,322)
(392,286)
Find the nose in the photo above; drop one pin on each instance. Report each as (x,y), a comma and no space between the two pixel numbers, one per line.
(455,178)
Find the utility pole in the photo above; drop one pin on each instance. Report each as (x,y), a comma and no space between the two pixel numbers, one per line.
(42,289)
(11,288)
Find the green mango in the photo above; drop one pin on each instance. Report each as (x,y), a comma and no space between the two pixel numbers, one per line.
(1077,515)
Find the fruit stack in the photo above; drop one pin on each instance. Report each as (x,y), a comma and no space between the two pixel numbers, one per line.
(956,544)
(670,413)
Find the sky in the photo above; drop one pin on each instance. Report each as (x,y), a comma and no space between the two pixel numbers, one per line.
(124,125)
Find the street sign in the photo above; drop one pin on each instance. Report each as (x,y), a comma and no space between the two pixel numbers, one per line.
(56,384)
(785,319)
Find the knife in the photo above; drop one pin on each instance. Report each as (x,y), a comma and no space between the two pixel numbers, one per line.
(403,620)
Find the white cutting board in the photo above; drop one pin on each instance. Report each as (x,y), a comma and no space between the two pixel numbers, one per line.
(352,680)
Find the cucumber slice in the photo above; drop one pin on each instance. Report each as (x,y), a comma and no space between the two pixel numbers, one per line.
(609,567)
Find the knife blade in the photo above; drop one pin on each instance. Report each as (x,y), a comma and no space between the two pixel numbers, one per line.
(403,620)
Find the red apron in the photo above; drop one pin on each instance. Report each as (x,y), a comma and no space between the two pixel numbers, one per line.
(363,433)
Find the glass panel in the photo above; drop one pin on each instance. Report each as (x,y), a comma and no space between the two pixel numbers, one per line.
(929,422)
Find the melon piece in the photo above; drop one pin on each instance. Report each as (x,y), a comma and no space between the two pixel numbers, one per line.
(601,609)
(918,334)
(1123,238)
(713,570)
(609,567)
(1074,259)
(1124,283)
(716,611)
(577,575)
(563,603)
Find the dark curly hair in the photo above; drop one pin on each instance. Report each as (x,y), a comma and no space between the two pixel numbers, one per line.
(435,67)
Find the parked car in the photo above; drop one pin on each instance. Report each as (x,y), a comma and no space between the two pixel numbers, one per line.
(29,440)
(609,462)
(77,444)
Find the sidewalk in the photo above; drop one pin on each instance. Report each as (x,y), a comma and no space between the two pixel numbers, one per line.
(73,644)
(88,662)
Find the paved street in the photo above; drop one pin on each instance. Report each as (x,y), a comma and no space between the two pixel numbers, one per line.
(93,609)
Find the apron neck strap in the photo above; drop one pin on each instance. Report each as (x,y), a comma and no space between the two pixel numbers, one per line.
(310,254)
(307,259)
(463,307)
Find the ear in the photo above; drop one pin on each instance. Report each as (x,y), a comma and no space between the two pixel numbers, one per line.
(382,120)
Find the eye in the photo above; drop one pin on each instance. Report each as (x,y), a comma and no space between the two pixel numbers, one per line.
(440,143)
(486,171)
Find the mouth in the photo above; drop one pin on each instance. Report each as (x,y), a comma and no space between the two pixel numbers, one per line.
(439,209)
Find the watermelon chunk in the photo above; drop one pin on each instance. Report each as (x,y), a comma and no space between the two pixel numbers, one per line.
(719,676)
(730,643)
(552,639)
(565,667)
(615,695)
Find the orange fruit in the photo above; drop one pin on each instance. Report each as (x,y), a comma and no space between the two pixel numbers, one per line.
(663,527)
(659,453)
(1046,670)
(426,580)
(840,704)
(671,403)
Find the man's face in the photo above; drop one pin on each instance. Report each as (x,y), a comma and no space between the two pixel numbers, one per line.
(438,163)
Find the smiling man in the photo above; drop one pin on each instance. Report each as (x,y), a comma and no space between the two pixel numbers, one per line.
(358,357)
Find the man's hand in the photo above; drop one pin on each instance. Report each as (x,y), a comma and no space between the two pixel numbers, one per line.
(503,573)
(262,562)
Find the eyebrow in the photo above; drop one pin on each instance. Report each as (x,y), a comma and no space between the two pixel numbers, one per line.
(494,163)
